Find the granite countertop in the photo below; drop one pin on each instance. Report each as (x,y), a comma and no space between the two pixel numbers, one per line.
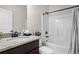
(8,43)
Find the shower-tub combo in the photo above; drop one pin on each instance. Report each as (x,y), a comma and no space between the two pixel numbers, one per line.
(60,31)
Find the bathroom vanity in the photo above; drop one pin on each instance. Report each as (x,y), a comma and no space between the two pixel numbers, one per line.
(13,44)
(20,45)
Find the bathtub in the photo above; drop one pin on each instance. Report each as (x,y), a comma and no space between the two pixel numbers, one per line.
(58,49)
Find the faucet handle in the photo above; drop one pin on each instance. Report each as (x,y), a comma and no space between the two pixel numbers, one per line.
(46,40)
(47,36)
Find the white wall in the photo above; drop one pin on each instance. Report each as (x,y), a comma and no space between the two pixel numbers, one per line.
(34,16)
(57,7)
(19,15)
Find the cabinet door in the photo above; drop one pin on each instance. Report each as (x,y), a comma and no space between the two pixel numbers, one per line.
(34,51)
(26,48)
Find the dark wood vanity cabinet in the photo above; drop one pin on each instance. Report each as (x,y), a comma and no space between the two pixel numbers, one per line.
(28,48)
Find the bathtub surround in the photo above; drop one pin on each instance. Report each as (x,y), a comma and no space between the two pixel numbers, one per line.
(44,28)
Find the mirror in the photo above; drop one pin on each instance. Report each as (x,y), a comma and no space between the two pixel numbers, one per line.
(5,20)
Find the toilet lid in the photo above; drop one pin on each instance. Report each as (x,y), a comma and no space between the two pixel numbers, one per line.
(45,49)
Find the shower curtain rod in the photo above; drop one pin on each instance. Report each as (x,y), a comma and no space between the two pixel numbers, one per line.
(60,10)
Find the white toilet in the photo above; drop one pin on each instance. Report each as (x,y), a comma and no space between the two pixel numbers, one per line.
(45,50)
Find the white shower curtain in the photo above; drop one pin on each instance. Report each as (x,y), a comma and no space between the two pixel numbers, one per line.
(60,26)
(74,34)
(73,49)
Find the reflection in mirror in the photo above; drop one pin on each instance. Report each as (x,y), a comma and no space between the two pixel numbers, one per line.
(5,20)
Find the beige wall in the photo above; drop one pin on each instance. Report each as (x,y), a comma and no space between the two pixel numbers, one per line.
(19,15)
(34,16)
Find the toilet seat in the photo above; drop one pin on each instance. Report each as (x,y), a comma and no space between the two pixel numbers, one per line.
(45,50)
